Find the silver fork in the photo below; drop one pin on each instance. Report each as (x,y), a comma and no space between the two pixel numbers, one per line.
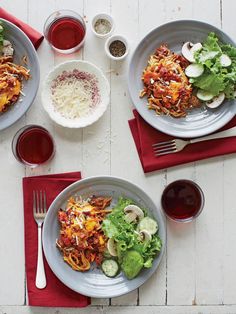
(39,212)
(176,145)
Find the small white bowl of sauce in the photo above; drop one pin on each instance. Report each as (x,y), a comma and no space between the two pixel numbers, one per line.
(103,25)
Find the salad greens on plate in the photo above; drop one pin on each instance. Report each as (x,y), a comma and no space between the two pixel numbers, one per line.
(133,240)
(216,64)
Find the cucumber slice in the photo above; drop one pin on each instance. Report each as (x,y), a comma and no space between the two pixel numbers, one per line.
(225,60)
(148,224)
(204,95)
(110,267)
(194,70)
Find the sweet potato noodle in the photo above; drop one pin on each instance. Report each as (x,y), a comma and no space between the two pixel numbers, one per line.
(166,86)
(81,240)
(11,76)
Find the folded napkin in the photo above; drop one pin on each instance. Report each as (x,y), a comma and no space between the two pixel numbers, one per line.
(35,37)
(144,136)
(56,293)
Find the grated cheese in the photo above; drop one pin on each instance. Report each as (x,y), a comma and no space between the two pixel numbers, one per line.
(74,95)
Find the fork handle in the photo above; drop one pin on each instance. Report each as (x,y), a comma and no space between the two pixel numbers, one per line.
(40,274)
(227,133)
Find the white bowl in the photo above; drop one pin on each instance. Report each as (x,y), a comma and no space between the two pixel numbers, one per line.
(81,122)
(110,40)
(105,17)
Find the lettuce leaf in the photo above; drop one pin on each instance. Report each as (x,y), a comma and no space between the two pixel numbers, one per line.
(210,82)
(216,78)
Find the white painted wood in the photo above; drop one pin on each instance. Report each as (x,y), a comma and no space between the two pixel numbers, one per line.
(229,179)
(180,238)
(121,110)
(97,137)
(12,274)
(154,291)
(227,309)
(199,265)
(209,227)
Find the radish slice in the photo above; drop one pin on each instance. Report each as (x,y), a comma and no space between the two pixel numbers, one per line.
(194,70)
(216,101)
(225,60)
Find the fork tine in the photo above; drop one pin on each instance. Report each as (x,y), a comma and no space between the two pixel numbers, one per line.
(41,201)
(163,143)
(164,146)
(37,202)
(167,149)
(34,202)
(166,153)
(44,202)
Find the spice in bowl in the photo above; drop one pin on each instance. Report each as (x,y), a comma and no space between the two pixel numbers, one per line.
(117,48)
(102,26)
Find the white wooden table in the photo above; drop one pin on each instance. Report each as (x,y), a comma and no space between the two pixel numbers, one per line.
(198,271)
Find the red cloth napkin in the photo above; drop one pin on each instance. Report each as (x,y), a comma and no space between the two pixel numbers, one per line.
(56,293)
(144,136)
(35,37)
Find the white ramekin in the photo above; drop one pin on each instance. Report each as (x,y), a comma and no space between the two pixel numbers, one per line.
(110,40)
(105,17)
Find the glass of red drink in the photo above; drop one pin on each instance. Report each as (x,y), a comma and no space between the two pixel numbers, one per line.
(182,200)
(65,31)
(33,145)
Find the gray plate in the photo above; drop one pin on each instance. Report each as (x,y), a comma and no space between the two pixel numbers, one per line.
(94,283)
(198,122)
(23,47)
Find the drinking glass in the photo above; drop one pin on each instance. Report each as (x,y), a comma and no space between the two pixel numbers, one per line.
(33,145)
(65,31)
(182,200)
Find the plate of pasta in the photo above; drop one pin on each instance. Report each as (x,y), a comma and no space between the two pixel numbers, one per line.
(19,73)
(103,236)
(161,79)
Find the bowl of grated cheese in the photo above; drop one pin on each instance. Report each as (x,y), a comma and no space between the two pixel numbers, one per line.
(75,94)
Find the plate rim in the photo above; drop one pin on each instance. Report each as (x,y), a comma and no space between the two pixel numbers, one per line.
(109,178)
(142,114)
(37,71)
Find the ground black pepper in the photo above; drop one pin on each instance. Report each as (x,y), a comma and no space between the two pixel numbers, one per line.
(117,48)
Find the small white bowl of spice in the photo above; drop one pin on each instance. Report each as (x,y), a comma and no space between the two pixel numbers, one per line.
(102,25)
(116,47)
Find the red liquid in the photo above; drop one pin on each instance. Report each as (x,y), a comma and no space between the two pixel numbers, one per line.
(182,200)
(66,33)
(34,146)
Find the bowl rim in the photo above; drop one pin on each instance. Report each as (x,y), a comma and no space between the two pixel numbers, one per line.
(45,100)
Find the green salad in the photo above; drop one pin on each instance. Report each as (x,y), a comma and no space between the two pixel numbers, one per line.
(219,62)
(212,70)
(133,240)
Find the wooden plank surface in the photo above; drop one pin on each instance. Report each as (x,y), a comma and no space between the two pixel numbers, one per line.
(199,264)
